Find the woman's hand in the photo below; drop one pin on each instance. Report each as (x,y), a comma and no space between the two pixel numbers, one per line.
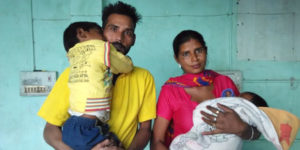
(226,121)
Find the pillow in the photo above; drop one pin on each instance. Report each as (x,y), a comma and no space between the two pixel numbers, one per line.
(286,125)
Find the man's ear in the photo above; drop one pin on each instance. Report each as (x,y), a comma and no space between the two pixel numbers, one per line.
(81,34)
(133,39)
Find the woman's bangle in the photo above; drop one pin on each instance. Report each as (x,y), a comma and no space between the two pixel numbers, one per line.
(252,134)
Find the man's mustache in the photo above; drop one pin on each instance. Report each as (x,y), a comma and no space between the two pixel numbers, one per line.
(121,48)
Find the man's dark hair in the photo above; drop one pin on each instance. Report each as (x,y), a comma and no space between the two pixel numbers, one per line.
(70,34)
(122,9)
(257,100)
(185,36)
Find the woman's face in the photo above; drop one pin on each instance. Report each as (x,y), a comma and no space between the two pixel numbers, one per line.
(192,56)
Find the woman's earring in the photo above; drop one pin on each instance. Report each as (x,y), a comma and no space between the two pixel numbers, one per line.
(179,65)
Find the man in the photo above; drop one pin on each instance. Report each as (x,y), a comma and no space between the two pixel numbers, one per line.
(133,103)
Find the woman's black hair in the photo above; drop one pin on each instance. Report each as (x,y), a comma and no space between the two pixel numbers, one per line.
(185,36)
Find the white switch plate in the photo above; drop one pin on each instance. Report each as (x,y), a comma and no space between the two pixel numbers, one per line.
(37,83)
(235,75)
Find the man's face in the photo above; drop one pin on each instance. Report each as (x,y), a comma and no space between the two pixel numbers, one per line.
(119,30)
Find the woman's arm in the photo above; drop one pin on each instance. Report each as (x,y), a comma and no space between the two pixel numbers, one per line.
(159,131)
(250,133)
(229,121)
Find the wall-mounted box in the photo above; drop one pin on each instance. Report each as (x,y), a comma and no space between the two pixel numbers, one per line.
(37,83)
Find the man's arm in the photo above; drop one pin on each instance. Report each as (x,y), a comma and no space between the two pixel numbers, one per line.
(142,136)
(57,103)
(53,136)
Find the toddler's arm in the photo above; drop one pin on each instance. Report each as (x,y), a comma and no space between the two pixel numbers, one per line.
(119,62)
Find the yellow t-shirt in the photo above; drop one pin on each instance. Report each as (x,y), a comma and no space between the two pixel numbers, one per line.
(91,64)
(133,101)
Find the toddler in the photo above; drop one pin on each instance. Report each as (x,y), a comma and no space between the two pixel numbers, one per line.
(92,62)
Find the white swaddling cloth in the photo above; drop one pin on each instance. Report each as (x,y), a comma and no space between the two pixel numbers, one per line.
(249,113)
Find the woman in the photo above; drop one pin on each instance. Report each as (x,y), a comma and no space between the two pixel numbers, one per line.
(180,95)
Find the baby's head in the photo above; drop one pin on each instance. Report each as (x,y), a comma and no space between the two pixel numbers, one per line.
(254,98)
(81,31)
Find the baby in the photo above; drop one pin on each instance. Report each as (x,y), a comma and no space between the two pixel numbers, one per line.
(254,98)
(248,112)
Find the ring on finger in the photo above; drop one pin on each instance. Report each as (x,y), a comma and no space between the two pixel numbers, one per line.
(214,125)
(215,119)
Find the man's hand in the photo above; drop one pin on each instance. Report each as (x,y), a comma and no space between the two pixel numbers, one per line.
(107,145)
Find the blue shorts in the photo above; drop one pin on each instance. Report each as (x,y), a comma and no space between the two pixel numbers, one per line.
(82,133)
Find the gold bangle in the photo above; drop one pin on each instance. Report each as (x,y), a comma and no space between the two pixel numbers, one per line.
(252,134)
